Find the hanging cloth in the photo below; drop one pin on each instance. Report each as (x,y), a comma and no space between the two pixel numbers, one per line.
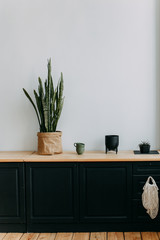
(150,199)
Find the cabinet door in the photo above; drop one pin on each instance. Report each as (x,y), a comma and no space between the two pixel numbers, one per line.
(51,192)
(12,190)
(105,192)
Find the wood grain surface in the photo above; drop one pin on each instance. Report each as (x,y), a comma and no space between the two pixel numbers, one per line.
(94,156)
(82,236)
(14,156)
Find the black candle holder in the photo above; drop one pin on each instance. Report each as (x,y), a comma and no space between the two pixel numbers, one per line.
(112,142)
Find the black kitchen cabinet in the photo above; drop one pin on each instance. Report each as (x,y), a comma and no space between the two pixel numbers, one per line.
(51,192)
(105,192)
(12,197)
(75,196)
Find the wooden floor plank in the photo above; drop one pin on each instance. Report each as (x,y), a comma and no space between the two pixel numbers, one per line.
(132,235)
(13,236)
(2,235)
(98,236)
(115,236)
(47,236)
(30,236)
(64,236)
(81,236)
(149,236)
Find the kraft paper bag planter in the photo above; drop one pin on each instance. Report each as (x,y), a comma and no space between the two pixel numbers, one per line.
(49,143)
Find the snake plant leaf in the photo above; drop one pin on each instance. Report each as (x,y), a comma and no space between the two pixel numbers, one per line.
(45,110)
(40,108)
(52,88)
(40,88)
(30,99)
(60,107)
(49,69)
(46,107)
(41,99)
(61,86)
(46,118)
(53,101)
(49,94)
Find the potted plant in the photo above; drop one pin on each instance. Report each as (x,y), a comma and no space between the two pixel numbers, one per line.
(48,107)
(144,147)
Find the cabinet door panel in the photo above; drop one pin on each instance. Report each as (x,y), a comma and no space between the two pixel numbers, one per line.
(105,192)
(51,192)
(12,193)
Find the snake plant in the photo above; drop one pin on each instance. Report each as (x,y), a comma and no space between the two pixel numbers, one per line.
(49,102)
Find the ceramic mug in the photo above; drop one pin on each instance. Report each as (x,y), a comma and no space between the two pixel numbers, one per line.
(79,148)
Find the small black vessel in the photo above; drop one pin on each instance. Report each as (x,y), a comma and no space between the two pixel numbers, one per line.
(112,142)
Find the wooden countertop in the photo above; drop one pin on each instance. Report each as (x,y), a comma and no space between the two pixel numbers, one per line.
(14,156)
(93,156)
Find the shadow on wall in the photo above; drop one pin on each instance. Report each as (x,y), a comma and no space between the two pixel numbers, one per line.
(157,30)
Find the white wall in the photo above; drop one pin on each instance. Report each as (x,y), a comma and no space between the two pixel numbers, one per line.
(108,51)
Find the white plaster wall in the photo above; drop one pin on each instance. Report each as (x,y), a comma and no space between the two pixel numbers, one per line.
(107,51)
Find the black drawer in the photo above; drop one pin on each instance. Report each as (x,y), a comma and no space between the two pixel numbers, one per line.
(138,183)
(146,168)
(140,214)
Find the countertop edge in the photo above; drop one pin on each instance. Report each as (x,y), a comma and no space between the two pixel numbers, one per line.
(90,156)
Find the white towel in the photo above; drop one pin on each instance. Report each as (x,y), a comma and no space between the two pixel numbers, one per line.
(150,199)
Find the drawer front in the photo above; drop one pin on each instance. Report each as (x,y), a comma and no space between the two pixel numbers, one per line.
(139,182)
(140,214)
(146,168)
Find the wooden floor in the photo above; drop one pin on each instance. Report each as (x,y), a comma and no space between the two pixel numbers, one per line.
(82,236)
